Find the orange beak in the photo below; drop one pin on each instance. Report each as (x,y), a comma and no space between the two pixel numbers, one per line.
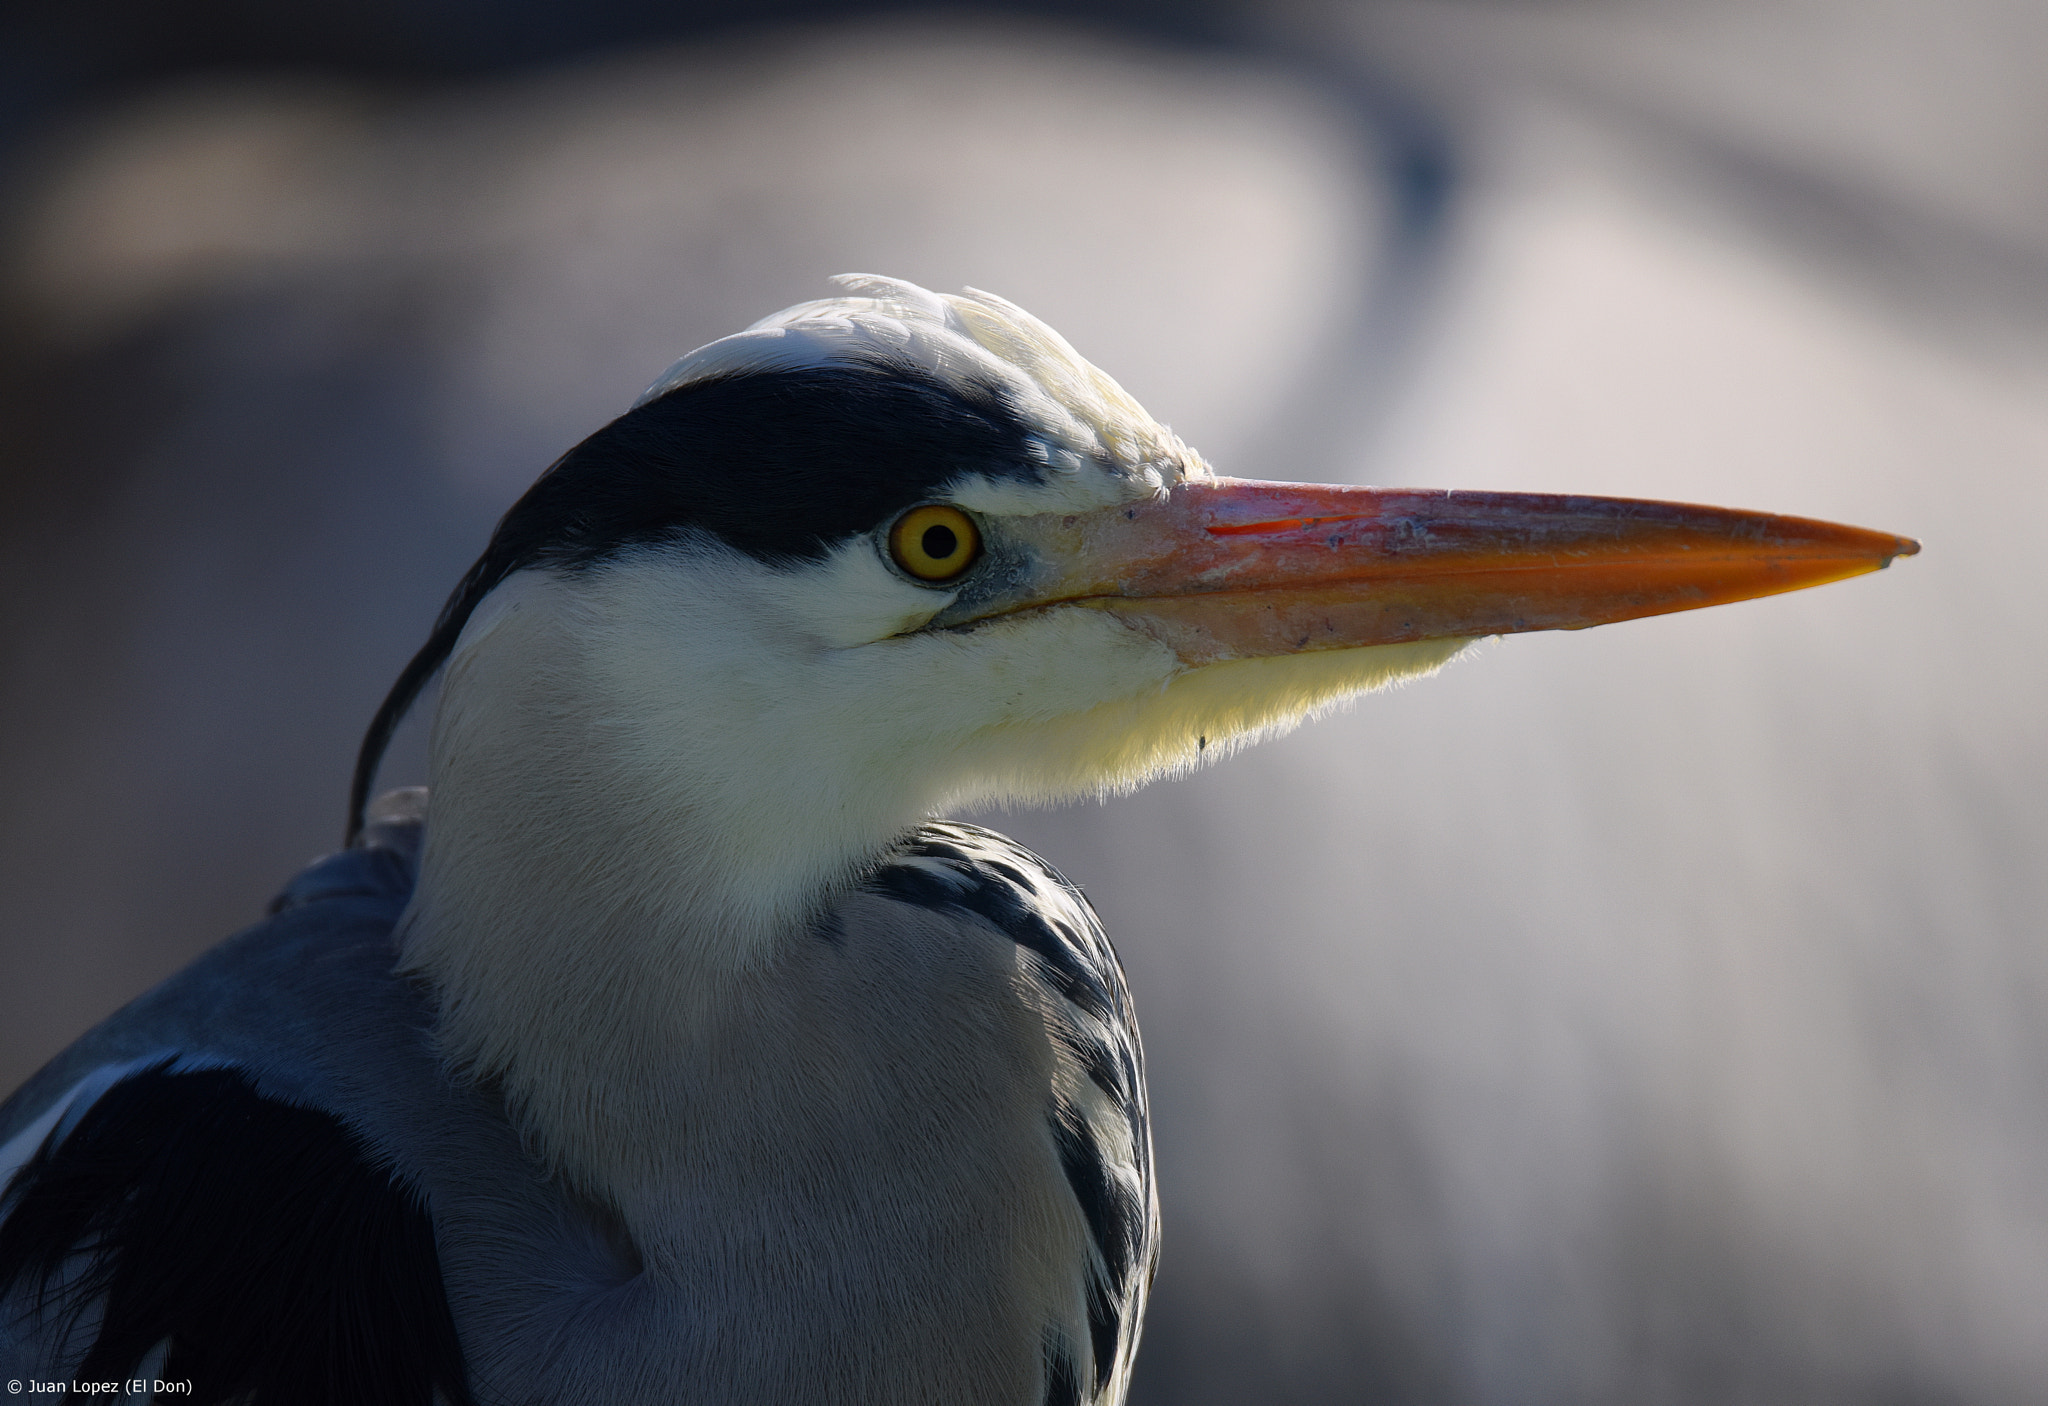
(1235,568)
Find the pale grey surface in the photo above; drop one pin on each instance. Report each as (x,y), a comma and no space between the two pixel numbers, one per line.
(1649,1015)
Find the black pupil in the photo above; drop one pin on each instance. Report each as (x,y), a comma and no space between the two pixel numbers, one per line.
(939,543)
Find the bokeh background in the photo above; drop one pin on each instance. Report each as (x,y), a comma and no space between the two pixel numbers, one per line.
(1649,1016)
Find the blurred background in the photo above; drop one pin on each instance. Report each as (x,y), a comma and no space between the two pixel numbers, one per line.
(1649,1016)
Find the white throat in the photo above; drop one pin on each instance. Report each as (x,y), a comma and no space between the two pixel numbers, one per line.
(618,832)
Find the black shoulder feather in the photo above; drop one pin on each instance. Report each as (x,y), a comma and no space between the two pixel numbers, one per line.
(279,1263)
(968,869)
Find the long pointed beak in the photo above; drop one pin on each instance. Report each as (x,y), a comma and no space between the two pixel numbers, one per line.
(1235,568)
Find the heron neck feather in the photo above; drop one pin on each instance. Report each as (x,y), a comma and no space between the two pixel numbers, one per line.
(614,841)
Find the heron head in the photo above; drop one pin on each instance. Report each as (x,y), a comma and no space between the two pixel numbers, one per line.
(895,551)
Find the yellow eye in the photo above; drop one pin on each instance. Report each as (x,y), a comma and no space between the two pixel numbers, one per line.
(935,542)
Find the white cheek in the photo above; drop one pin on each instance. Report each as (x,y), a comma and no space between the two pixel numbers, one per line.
(850,599)
(1006,672)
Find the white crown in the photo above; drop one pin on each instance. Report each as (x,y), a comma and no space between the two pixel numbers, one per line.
(1078,415)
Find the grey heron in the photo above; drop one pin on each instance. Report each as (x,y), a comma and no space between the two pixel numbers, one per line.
(676,1050)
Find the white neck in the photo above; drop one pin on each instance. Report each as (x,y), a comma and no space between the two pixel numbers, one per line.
(617,837)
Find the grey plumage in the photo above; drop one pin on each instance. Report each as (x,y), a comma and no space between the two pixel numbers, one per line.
(546,1291)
